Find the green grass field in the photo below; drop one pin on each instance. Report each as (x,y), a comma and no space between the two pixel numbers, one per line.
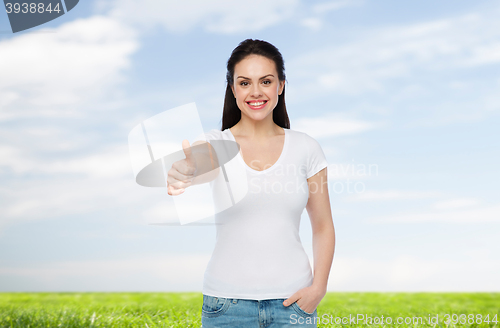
(184,309)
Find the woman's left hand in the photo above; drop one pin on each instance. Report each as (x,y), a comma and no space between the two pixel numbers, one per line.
(307,298)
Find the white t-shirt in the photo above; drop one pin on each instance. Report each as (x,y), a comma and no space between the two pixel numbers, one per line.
(258,253)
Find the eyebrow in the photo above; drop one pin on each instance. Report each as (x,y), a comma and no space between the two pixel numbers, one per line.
(242,77)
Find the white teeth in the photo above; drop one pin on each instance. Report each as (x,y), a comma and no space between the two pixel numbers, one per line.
(257,103)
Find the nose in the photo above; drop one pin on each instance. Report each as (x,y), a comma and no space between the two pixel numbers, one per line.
(256,92)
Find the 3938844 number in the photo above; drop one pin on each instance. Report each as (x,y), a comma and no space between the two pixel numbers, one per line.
(32,8)
(469,319)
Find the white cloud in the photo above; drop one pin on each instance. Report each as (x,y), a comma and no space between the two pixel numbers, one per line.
(72,72)
(50,198)
(317,20)
(184,272)
(219,16)
(166,213)
(332,125)
(410,273)
(7,97)
(389,195)
(456,203)
(39,187)
(81,184)
(111,162)
(384,55)
(50,175)
(352,171)
(63,73)
(312,23)
(173,272)
(324,7)
(161,213)
(482,214)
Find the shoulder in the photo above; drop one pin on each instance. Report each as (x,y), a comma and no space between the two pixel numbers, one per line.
(214,134)
(300,136)
(306,144)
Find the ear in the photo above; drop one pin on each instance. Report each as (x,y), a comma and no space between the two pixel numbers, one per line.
(232,89)
(282,85)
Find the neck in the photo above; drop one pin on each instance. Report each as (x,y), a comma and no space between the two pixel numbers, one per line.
(261,129)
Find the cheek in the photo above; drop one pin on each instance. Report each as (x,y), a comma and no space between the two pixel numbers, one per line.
(240,93)
(274,93)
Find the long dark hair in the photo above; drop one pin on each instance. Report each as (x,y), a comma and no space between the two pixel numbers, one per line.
(231,113)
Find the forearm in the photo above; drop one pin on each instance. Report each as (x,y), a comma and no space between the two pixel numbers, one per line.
(323,250)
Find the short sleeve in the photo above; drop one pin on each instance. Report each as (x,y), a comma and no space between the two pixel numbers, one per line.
(316,160)
(207,136)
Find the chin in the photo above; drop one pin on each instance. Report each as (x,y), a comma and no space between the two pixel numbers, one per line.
(257,117)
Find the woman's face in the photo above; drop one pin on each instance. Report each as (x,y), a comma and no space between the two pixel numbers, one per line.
(256,86)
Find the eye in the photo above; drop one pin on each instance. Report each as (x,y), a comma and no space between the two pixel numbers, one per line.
(243,83)
(267,82)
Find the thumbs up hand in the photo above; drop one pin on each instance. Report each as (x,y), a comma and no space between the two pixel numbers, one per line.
(182,173)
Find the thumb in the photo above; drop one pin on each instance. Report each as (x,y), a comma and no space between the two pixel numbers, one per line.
(187,151)
(291,299)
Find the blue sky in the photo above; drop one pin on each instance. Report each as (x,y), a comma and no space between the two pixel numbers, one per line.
(412,89)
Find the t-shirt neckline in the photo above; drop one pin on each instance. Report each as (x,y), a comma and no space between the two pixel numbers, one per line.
(280,159)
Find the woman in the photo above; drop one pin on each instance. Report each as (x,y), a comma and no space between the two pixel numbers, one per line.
(259,274)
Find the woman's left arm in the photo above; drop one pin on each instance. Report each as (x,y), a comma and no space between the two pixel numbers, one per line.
(320,213)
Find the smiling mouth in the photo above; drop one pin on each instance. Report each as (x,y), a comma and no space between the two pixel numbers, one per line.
(257,104)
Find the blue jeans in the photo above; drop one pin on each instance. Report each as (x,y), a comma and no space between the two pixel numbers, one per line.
(219,312)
